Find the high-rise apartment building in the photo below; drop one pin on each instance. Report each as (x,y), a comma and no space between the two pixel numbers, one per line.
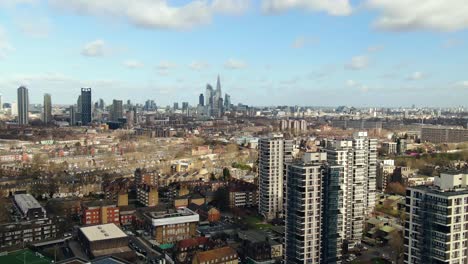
(117,110)
(23,106)
(436,226)
(86,104)
(314,193)
(358,156)
(72,115)
(47,118)
(273,152)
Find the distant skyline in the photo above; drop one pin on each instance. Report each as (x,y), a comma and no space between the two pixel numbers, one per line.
(267,52)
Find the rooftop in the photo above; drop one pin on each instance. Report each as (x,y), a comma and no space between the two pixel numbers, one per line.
(216,254)
(102,232)
(26,202)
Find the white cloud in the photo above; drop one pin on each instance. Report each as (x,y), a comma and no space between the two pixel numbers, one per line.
(198,65)
(230,7)
(302,41)
(155,13)
(358,63)
(235,64)
(331,7)
(133,64)
(5,46)
(408,15)
(95,48)
(416,76)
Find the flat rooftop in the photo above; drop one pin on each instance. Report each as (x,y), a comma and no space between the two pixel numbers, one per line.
(170,213)
(447,193)
(102,232)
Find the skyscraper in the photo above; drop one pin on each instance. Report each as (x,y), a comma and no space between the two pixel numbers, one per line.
(47,109)
(86,103)
(72,115)
(201,100)
(313,231)
(209,95)
(23,106)
(117,110)
(102,105)
(227,102)
(359,158)
(273,153)
(436,225)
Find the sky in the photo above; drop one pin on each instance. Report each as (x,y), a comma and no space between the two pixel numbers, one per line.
(366,53)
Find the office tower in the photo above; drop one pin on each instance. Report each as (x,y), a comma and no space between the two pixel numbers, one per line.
(185,106)
(23,106)
(86,113)
(72,115)
(313,232)
(117,110)
(102,105)
(209,94)
(436,226)
(273,153)
(227,102)
(201,100)
(218,100)
(176,106)
(359,158)
(47,109)
(14,109)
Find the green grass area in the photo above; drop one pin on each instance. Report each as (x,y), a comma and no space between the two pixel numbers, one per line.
(257,222)
(24,256)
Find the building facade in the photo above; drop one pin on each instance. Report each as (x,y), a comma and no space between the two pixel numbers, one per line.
(436,226)
(273,153)
(358,156)
(23,106)
(86,106)
(47,118)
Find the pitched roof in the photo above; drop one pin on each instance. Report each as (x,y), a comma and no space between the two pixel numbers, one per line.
(216,254)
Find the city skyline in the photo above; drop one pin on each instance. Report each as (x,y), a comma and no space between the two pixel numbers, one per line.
(356,53)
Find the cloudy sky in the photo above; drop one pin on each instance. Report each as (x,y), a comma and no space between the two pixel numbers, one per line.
(268,52)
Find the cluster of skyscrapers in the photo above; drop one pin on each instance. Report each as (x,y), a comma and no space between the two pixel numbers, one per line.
(324,197)
(212,103)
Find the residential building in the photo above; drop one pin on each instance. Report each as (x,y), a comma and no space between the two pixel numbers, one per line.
(314,221)
(147,195)
(169,225)
(86,106)
(358,156)
(242,194)
(436,226)
(224,255)
(390,148)
(273,153)
(385,169)
(22,233)
(444,134)
(100,212)
(23,106)
(47,118)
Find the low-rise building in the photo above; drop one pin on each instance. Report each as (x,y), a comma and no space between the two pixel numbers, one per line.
(100,212)
(224,255)
(242,194)
(20,234)
(169,225)
(148,195)
(102,240)
(29,207)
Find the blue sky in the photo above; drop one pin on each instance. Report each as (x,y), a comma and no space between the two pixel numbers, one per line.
(268,52)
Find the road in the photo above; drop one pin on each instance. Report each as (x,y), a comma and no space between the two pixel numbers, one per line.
(151,253)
